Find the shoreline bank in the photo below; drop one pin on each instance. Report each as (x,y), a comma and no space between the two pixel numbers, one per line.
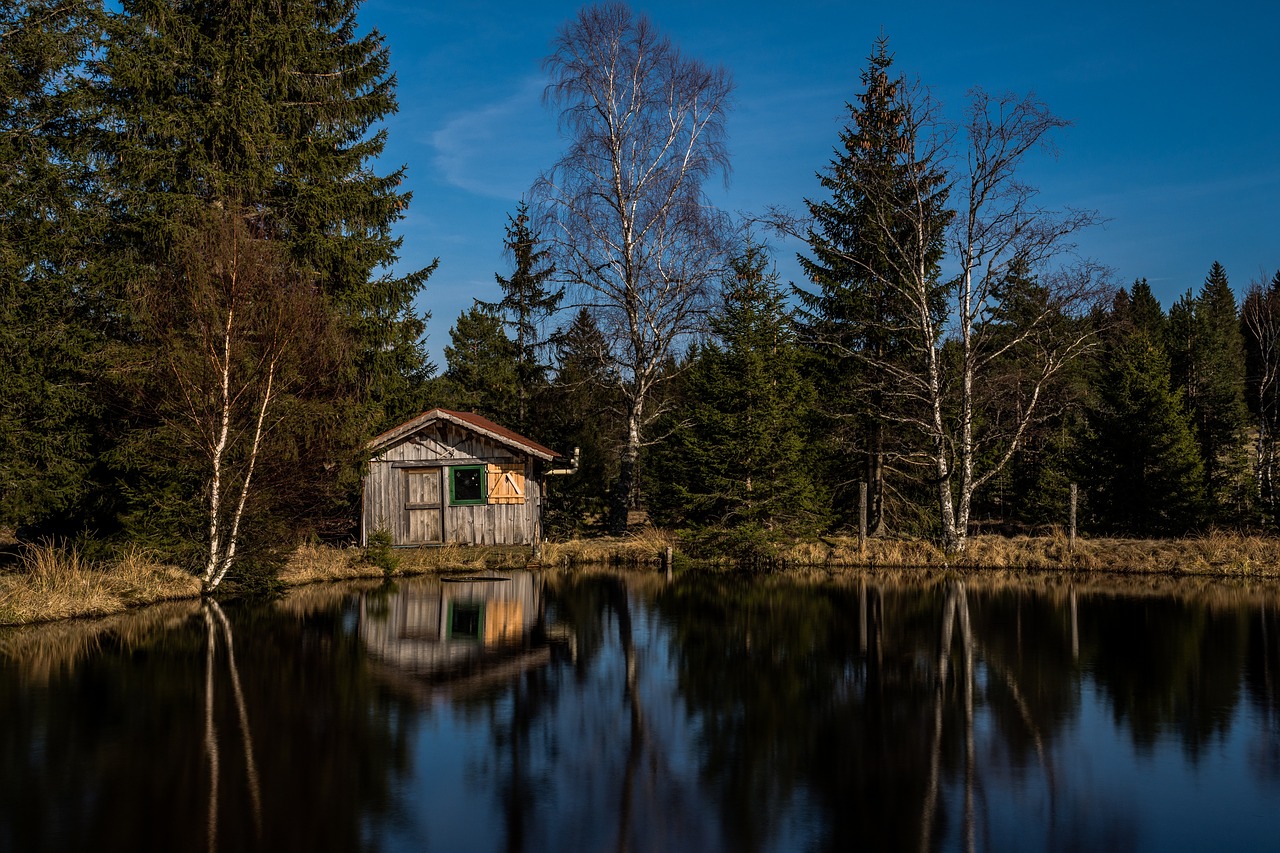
(49,583)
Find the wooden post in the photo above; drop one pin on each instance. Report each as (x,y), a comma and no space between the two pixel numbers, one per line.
(1071,528)
(666,562)
(862,517)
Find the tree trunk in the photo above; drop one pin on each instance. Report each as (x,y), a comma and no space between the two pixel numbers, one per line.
(875,481)
(621,500)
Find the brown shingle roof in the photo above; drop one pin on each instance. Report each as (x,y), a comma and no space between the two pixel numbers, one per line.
(467,419)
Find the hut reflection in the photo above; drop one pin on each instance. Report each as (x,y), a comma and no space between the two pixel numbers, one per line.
(434,634)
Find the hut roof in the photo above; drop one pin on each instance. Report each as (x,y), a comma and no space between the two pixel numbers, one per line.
(468,420)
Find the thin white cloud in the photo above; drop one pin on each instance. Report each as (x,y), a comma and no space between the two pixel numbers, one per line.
(497,149)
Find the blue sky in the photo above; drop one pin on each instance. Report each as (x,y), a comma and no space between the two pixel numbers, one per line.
(1175,141)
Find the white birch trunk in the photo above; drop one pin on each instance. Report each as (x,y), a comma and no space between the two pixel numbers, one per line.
(234,535)
(219,448)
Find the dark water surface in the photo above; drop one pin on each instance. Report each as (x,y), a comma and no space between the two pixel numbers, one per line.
(598,711)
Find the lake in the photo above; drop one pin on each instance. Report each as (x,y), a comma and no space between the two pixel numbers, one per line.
(595,710)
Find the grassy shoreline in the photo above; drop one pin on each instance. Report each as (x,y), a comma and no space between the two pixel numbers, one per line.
(50,583)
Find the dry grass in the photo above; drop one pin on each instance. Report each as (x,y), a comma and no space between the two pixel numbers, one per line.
(642,548)
(55,583)
(316,563)
(52,583)
(311,563)
(1218,554)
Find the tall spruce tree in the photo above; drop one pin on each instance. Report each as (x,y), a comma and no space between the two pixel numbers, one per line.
(855,318)
(1208,363)
(583,411)
(48,218)
(1142,466)
(1145,311)
(272,108)
(739,452)
(481,374)
(270,111)
(527,303)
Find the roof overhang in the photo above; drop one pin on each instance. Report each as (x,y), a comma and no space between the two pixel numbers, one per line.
(466,420)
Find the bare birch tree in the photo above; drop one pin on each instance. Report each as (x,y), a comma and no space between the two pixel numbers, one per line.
(238,330)
(626,218)
(985,332)
(1260,316)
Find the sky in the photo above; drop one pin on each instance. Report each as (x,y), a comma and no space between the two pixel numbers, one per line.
(1175,111)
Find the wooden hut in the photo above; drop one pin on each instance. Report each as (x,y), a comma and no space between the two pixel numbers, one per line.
(454,478)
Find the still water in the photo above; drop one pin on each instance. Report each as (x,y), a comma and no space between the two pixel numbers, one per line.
(600,711)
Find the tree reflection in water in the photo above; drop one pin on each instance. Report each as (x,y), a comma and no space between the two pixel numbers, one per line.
(605,711)
(115,734)
(215,619)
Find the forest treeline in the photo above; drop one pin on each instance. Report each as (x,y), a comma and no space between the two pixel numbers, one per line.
(201,326)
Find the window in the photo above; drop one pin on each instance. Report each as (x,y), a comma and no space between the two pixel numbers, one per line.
(506,483)
(467,484)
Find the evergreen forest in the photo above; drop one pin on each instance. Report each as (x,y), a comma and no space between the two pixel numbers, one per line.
(202,318)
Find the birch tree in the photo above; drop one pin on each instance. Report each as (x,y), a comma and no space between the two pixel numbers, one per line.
(1016,308)
(1260,318)
(238,331)
(985,329)
(624,212)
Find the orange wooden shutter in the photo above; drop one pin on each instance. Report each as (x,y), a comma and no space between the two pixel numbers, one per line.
(506,484)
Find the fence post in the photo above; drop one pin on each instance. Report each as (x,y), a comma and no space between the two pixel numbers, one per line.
(1071,526)
(862,517)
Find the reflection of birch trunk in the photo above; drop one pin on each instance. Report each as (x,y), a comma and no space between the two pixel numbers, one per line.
(1024,710)
(210,732)
(970,762)
(955,605)
(935,760)
(251,768)
(215,618)
(631,693)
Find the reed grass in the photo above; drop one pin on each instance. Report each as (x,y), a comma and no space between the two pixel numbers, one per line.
(1217,553)
(643,548)
(58,583)
(49,582)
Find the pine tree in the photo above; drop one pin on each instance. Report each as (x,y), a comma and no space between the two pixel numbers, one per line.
(47,219)
(481,375)
(1147,315)
(739,454)
(270,108)
(1208,362)
(855,318)
(527,303)
(271,111)
(1142,471)
(583,411)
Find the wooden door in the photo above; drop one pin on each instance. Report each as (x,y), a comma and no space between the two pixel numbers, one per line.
(423,506)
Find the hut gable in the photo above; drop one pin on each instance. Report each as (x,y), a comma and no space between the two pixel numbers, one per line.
(414,430)
(449,477)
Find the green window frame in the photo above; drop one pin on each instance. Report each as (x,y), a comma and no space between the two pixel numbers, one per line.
(466,620)
(468,485)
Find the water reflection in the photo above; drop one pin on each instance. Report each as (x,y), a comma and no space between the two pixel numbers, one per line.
(218,628)
(604,711)
(456,634)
